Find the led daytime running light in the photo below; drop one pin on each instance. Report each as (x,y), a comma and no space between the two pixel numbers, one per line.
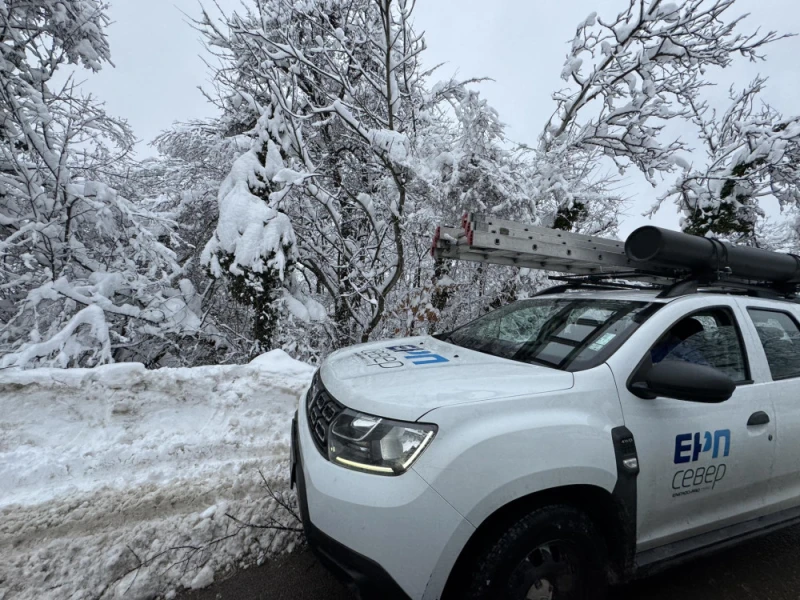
(357,465)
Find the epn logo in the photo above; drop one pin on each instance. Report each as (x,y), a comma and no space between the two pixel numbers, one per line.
(689,446)
(418,356)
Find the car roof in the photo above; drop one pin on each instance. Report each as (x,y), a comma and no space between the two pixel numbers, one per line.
(644,295)
(604,294)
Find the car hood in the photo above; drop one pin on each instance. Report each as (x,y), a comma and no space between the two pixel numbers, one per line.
(406,378)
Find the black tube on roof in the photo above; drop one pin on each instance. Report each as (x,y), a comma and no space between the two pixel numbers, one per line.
(651,245)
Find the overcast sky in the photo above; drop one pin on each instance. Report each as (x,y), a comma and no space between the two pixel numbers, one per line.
(520,44)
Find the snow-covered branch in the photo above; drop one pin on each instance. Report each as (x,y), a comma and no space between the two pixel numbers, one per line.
(752,151)
(629,76)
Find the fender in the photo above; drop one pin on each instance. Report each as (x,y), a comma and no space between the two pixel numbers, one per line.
(614,513)
(490,454)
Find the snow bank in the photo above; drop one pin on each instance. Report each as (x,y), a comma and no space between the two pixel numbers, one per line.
(108,468)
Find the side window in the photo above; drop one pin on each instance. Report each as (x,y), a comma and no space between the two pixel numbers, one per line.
(780,338)
(710,337)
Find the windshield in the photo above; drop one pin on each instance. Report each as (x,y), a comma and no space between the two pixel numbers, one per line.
(562,333)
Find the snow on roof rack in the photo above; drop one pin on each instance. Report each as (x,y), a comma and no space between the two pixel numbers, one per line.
(678,262)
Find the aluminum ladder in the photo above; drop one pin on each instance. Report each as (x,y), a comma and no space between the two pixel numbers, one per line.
(485,239)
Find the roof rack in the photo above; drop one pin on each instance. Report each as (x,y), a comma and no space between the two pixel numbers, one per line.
(652,258)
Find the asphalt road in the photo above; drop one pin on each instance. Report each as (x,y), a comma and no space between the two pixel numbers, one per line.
(765,569)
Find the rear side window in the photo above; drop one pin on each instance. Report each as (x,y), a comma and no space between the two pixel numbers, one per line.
(780,338)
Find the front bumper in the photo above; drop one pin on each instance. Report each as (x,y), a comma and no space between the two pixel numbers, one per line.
(364,576)
(389,537)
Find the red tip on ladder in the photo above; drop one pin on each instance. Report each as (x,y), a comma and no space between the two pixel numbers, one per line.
(435,241)
(466,224)
(469,237)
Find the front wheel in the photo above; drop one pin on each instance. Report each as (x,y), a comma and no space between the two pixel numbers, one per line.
(553,553)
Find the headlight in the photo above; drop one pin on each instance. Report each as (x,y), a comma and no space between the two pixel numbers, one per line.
(367,443)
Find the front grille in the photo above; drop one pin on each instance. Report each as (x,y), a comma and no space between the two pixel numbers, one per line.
(321,410)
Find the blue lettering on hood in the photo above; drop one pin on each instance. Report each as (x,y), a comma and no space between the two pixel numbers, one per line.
(418,356)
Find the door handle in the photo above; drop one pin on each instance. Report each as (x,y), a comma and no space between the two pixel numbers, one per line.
(758,418)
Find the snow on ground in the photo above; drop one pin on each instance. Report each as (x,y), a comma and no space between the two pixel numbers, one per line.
(103,470)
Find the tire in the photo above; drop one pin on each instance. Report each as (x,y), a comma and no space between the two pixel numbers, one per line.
(553,553)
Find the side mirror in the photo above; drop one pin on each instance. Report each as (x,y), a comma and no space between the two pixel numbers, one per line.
(683,381)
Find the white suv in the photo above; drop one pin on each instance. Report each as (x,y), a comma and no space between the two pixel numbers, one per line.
(553,446)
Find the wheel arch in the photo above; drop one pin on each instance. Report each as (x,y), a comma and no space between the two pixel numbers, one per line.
(606,512)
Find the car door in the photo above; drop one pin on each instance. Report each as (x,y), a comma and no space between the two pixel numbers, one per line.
(702,466)
(777,328)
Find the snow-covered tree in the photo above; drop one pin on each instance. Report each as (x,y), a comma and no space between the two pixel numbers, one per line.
(365,158)
(83,276)
(335,90)
(470,166)
(216,182)
(253,244)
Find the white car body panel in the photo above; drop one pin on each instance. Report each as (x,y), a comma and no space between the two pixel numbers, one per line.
(398,384)
(784,489)
(666,514)
(522,445)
